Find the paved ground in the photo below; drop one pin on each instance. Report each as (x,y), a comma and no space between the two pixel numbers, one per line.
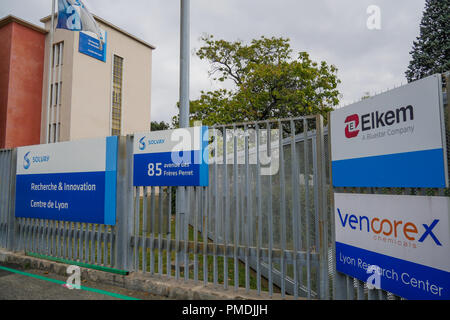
(17,283)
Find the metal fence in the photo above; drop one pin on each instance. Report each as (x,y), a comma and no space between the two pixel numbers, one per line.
(260,225)
(264,223)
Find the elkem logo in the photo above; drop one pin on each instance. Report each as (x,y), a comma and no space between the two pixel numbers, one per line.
(26,161)
(352,125)
(393,228)
(142,143)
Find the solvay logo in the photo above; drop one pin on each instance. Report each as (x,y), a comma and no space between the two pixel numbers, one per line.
(142,143)
(395,230)
(351,130)
(26,161)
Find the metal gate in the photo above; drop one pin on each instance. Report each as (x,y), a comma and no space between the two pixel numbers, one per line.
(262,223)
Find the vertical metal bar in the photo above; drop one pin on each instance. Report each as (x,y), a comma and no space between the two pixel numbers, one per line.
(177,237)
(270,220)
(137,206)
(160,233)
(144,229)
(226,210)
(75,240)
(307,206)
(186,232)
(282,210)
(70,241)
(112,247)
(169,233)
(205,235)
(152,230)
(360,290)
(322,215)
(236,210)
(216,208)
(248,210)
(195,216)
(295,196)
(259,211)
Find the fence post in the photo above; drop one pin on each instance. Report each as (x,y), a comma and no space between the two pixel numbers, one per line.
(338,279)
(322,209)
(124,203)
(11,240)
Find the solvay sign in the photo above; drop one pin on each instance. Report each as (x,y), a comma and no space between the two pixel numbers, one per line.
(405,237)
(68,181)
(394,139)
(176,157)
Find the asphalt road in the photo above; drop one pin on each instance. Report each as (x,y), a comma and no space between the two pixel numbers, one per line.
(17,283)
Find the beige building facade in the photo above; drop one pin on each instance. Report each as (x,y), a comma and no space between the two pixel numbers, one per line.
(93,98)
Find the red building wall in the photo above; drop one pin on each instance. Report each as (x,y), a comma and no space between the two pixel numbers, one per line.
(20,84)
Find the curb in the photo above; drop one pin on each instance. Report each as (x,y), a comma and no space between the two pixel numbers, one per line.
(138,281)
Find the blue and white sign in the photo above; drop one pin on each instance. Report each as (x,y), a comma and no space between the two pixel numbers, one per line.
(90,45)
(69,181)
(171,157)
(406,238)
(394,139)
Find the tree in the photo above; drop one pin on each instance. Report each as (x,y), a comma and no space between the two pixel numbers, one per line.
(266,82)
(431,50)
(157,126)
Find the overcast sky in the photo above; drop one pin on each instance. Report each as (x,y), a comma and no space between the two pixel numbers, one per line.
(330,30)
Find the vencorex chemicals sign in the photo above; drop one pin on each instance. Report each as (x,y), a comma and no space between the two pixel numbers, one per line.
(405,237)
(395,139)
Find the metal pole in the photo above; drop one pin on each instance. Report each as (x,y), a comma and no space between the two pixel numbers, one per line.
(184,63)
(49,74)
(184,103)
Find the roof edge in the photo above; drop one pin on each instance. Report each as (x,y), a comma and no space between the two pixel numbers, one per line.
(11,18)
(109,24)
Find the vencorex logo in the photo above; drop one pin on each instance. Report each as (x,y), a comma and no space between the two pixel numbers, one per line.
(376,120)
(395,229)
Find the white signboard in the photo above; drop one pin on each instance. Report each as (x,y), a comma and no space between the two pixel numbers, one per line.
(394,139)
(406,237)
(68,181)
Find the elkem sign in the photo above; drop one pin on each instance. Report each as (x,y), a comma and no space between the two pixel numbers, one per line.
(405,237)
(69,181)
(171,157)
(90,45)
(394,139)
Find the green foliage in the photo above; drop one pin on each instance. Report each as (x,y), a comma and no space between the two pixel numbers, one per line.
(431,50)
(157,126)
(267,82)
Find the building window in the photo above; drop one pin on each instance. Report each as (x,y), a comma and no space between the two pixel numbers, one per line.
(116,112)
(58,49)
